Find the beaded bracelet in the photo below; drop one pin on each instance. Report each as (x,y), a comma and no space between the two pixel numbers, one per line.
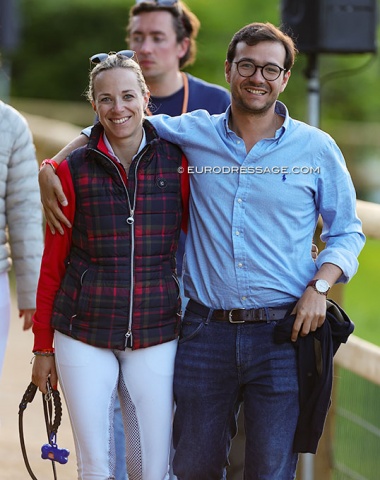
(44,353)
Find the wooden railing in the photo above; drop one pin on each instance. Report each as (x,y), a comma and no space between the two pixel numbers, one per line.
(357,356)
(369,213)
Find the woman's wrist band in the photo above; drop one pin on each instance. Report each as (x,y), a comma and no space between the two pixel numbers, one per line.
(44,353)
(48,161)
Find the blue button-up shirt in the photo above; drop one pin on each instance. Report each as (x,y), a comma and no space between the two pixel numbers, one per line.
(253,215)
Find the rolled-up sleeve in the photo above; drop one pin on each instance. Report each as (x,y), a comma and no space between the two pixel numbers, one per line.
(336,201)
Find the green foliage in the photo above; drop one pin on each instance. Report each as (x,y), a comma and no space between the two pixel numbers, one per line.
(349,87)
(356,423)
(361,300)
(58,37)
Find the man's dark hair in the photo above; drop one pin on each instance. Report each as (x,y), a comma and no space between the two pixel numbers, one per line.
(185,24)
(255,33)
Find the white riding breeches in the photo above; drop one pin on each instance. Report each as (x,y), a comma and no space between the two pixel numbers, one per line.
(90,378)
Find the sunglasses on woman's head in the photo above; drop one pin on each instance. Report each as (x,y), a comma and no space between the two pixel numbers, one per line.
(164,3)
(100,57)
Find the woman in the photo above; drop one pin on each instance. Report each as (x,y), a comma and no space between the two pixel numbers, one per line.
(108,291)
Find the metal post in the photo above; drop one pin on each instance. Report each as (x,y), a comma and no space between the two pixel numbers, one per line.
(307,466)
(313,89)
(312,74)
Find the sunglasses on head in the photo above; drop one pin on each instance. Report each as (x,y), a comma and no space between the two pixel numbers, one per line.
(163,3)
(100,57)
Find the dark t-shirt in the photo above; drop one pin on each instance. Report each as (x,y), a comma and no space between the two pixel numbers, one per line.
(210,97)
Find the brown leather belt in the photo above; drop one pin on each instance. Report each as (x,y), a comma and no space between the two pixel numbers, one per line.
(240,315)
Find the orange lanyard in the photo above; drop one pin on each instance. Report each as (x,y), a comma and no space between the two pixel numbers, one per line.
(185,96)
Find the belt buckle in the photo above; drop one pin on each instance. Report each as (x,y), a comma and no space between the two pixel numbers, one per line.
(230,316)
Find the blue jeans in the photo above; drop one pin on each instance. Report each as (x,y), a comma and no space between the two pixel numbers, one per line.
(219,365)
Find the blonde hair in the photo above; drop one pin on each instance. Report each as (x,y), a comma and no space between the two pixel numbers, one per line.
(115,60)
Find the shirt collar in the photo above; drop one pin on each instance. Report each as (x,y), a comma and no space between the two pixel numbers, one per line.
(110,151)
(280,109)
(227,119)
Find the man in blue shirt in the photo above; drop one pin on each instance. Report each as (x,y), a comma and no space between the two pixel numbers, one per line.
(259,181)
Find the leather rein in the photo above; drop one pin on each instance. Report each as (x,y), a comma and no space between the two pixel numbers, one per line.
(51,405)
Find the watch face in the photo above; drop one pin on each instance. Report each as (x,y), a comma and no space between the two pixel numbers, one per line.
(322,286)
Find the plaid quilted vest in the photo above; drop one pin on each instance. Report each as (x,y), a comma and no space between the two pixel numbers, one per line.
(120,287)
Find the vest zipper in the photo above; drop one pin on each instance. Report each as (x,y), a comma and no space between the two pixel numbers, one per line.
(131,222)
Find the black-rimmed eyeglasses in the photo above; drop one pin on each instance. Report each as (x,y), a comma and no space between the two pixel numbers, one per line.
(270,71)
(100,57)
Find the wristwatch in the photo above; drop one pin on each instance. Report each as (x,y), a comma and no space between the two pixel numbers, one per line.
(321,286)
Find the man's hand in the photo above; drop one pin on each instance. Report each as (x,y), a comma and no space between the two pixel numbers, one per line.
(314,251)
(310,309)
(51,189)
(52,193)
(310,312)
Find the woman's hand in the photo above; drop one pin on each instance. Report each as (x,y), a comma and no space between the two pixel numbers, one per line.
(28,317)
(43,369)
(314,251)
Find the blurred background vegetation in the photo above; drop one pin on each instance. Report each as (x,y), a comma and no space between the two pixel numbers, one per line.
(50,66)
(58,37)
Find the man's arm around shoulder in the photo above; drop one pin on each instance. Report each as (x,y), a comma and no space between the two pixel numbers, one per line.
(51,188)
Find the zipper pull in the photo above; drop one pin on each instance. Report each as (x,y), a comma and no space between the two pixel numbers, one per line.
(128,339)
(71,322)
(130,219)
